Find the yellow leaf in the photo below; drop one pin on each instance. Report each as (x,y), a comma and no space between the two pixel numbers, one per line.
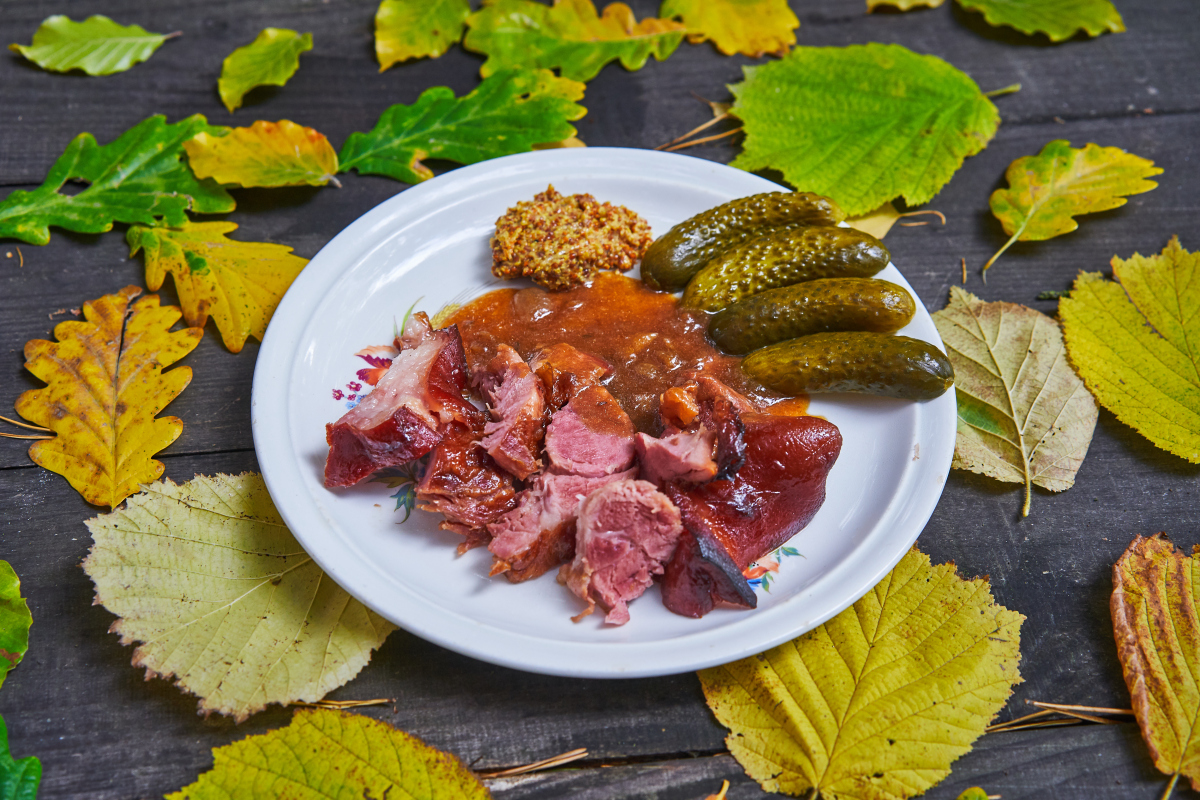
(238,283)
(1136,344)
(751,27)
(223,598)
(877,223)
(265,154)
(1154,609)
(407,29)
(105,387)
(876,703)
(903,5)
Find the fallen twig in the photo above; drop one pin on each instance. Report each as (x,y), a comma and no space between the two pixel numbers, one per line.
(536,766)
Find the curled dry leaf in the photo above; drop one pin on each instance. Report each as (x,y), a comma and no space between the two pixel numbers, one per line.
(407,29)
(1058,19)
(105,387)
(15,621)
(270,60)
(97,46)
(19,778)
(878,701)
(264,154)
(750,27)
(1023,414)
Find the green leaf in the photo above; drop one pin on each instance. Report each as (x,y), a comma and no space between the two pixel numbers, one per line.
(98,46)
(222,597)
(15,620)
(138,178)
(18,779)
(862,124)
(264,154)
(270,60)
(1136,344)
(876,703)
(750,27)
(1058,19)
(1023,414)
(569,36)
(333,754)
(407,29)
(509,112)
(974,793)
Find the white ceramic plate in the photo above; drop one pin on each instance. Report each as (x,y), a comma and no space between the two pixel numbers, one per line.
(431,242)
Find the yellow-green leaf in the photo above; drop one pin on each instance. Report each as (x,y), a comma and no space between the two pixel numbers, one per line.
(238,283)
(1045,192)
(1058,19)
(1024,416)
(19,778)
(265,154)
(15,621)
(270,60)
(1136,344)
(974,793)
(98,46)
(903,5)
(407,29)
(750,27)
(877,702)
(106,386)
(223,598)
(1155,605)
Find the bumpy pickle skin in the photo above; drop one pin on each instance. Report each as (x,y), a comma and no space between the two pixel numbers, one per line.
(782,257)
(861,362)
(826,304)
(681,252)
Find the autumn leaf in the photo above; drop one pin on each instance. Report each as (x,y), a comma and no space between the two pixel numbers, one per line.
(19,779)
(223,598)
(407,29)
(974,793)
(326,753)
(270,60)
(1023,414)
(138,178)
(509,112)
(105,388)
(1154,609)
(98,46)
(862,124)
(1136,344)
(1058,19)
(750,27)
(238,283)
(568,36)
(878,701)
(903,5)
(1045,192)
(265,154)
(14,623)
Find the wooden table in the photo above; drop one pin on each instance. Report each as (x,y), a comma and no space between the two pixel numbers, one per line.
(103,733)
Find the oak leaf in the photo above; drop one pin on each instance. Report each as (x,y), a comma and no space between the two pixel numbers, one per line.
(878,701)
(137,178)
(98,46)
(326,754)
(1154,608)
(15,621)
(270,60)
(106,386)
(264,154)
(1024,416)
(1058,19)
(569,36)
(1136,344)
(510,112)
(19,778)
(238,283)
(750,27)
(407,29)
(862,124)
(223,598)
(1045,192)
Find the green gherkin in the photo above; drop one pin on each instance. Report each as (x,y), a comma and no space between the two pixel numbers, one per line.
(683,251)
(866,363)
(782,257)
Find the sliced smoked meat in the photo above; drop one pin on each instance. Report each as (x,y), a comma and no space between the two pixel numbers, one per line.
(591,435)
(514,435)
(684,456)
(566,370)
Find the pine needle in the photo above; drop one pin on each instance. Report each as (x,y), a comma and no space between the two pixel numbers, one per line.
(19,436)
(20,424)
(536,766)
(695,142)
(694,131)
(340,704)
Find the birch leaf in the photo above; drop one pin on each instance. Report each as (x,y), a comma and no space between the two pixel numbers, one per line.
(265,154)
(98,46)
(222,597)
(106,386)
(19,778)
(407,29)
(270,60)
(876,703)
(1023,414)
(1154,610)
(238,283)
(1058,19)
(15,621)
(749,27)
(1136,344)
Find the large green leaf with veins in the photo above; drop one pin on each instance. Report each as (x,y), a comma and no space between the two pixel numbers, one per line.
(19,779)
(270,60)
(98,46)
(1058,19)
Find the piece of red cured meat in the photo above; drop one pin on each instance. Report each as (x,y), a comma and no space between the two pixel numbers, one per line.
(514,435)
(565,371)
(684,456)
(591,435)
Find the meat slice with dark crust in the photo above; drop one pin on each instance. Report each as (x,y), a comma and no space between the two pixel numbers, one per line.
(684,456)
(514,435)
(591,435)
(565,371)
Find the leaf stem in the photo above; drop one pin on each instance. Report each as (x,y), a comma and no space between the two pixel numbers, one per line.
(1170,786)
(1012,89)
(172,35)
(1028,488)
(1007,245)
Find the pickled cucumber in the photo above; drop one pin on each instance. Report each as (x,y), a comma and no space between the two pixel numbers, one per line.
(827,304)
(681,252)
(781,257)
(868,363)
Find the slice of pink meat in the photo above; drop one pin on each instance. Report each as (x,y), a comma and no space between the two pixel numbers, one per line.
(514,435)
(591,435)
(684,456)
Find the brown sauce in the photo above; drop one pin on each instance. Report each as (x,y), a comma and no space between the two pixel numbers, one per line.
(651,342)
